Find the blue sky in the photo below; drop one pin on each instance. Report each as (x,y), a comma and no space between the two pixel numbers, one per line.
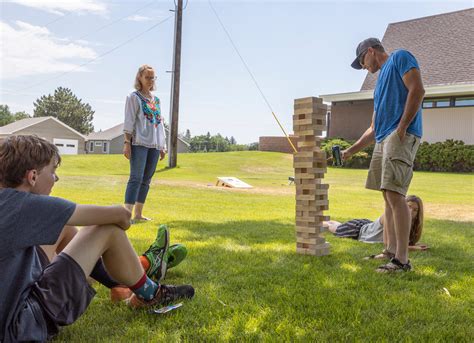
(293,48)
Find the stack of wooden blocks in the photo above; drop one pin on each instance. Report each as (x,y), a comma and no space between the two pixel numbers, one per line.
(309,121)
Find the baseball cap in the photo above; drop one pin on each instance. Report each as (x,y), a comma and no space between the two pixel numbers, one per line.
(362,48)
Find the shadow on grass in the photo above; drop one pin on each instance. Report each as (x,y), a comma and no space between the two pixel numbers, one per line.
(251,285)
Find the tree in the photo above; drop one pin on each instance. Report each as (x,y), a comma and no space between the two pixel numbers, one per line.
(187,136)
(66,107)
(21,115)
(232,140)
(7,117)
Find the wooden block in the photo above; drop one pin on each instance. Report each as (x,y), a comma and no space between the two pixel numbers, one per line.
(308,100)
(316,230)
(316,166)
(315,240)
(300,129)
(313,171)
(314,252)
(311,154)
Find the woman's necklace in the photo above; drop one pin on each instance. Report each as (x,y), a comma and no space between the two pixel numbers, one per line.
(148,96)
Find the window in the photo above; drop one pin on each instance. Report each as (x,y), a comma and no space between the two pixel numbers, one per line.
(437,103)
(70,145)
(59,144)
(98,143)
(104,148)
(464,102)
(443,102)
(428,104)
(91,147)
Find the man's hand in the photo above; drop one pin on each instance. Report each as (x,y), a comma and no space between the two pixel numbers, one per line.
(401,132)
(162,154)
(346,154)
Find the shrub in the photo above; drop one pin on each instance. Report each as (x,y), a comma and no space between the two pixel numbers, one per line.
(448,156)
(359,160)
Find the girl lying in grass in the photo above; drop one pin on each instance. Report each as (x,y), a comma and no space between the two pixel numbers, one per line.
(369,231)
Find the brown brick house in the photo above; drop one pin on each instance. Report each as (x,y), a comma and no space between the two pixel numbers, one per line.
(443,46)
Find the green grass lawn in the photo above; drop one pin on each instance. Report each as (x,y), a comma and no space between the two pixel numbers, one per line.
(252,286)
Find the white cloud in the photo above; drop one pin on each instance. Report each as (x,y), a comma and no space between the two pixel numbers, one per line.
(59,7)
(32,50)
(137,17)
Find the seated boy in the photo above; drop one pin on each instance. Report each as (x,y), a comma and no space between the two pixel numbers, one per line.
(37,297)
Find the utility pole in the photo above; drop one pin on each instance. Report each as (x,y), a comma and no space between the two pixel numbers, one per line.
(174,111)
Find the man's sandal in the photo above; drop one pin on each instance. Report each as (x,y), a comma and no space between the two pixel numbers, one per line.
(385,255)
(394,266)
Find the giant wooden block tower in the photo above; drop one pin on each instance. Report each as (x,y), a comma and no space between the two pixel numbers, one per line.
(309,121)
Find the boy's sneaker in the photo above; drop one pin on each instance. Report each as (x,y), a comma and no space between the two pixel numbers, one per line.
(165,295)
(175,255)
(156,254)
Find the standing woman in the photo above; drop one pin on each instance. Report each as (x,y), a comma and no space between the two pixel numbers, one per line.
(145,140)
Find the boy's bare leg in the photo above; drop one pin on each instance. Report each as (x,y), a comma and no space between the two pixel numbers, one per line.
(110,242)
(67,234)
(401,220)
(390,238)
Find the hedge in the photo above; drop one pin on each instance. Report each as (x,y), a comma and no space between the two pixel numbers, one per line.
(448,156)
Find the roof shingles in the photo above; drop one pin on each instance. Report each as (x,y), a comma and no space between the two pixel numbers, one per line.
(442,44)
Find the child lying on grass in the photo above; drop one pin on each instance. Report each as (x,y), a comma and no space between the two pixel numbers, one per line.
(369,231)
(38,296)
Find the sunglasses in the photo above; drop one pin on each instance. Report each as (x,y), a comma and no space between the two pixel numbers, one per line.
(150,78)
(362,57)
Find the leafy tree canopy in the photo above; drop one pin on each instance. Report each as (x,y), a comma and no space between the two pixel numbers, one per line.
(66,107)
(7,117)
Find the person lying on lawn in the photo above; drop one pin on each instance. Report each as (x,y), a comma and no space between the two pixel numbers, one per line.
(369,231)
(38,297)
(156,261)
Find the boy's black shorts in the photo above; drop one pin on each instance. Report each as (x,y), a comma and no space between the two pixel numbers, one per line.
(62,293)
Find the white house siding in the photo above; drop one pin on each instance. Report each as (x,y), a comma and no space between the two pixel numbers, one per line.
(456,123)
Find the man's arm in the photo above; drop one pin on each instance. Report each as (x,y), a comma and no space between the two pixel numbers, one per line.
(416,91)
(367,138)
(85,215)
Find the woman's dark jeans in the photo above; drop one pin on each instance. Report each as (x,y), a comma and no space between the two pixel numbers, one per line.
(143,163)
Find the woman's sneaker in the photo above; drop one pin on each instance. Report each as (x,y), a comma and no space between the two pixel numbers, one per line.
(156,254)
(166,294)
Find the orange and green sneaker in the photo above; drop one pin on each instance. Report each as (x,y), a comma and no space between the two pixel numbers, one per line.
(175,255)
(156,254)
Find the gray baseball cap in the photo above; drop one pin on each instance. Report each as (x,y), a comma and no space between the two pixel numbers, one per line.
(362,48)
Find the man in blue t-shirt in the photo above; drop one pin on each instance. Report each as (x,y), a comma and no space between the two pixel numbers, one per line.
(396,129)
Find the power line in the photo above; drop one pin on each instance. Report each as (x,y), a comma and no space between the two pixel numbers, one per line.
(251,75)
(116,21)
(98,57)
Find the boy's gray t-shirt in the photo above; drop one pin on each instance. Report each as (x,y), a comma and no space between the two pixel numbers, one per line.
(372,232)
(26,221)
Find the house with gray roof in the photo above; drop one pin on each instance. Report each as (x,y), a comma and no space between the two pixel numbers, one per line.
(67,140)
(443,46)
(110,141)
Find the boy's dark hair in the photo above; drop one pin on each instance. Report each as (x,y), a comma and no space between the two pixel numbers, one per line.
(18,154)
